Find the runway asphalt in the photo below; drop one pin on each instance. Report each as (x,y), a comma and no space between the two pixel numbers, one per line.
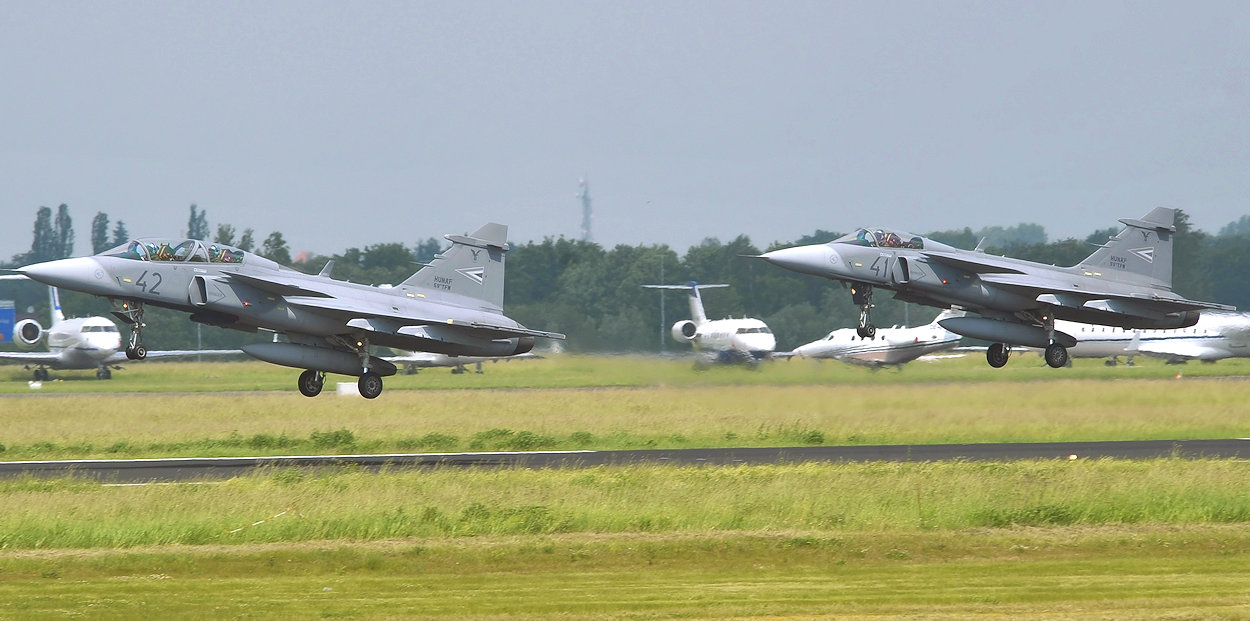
(165,470)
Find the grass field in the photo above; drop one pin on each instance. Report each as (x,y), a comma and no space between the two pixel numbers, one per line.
(1072,539)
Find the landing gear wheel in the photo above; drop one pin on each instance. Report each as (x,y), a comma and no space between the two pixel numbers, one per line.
(1056,355)
(41,375)
(103,373)
(370,385)
(138,352)
(866,332)
(997,355)
(311,382)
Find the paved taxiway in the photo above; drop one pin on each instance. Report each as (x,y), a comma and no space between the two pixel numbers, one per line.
(144,470)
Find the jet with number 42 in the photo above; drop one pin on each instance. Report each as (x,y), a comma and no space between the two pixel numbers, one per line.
(1126,283)
(453,305)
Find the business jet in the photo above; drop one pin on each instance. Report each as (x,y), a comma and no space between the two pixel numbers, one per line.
(416,360)
(1216,336)
(888,346)
(77,343)
(721,340)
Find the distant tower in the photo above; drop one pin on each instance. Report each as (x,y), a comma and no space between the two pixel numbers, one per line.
(583,193)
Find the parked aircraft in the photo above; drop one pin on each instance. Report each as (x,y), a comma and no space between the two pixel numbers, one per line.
(1126,283)
(77,343)
(888,346)
(415,361)
(452,306)
(1216,336)
(721,340)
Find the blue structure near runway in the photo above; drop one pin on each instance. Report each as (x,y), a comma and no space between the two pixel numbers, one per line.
(8,317)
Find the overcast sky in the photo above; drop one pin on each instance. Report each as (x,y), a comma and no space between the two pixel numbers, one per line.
(344,124)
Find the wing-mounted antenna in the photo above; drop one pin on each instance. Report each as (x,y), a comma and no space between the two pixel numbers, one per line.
(325,271)
(981,245)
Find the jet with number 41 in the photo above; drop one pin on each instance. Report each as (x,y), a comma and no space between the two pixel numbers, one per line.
(453,305)
(1126,283)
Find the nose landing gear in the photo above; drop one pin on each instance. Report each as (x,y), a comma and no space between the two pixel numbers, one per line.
(861,295)
(132,313)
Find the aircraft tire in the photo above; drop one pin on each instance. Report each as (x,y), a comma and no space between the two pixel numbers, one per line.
(997,355)
(310,383)
(370,385)
(41,375)
(1056,355)
(103,374)
(867,331)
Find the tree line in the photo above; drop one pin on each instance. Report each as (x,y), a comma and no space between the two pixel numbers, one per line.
(595,295)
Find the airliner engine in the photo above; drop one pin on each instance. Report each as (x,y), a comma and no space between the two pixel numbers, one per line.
(684,331)
(27,333)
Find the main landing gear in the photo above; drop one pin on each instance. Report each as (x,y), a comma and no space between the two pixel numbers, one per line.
(861,295)
(312,381)
(997,354)
(1055,353)
(132,313)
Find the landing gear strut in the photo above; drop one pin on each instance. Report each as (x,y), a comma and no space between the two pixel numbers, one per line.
(861,295)
(132,313)
(997,355)
(1056,354)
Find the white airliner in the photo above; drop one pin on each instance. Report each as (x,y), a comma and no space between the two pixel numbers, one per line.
(889,346)
(1216,336)
(414,361)
(722,340)
(76,343)
(80,343)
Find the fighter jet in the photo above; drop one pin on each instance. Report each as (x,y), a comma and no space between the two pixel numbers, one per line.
(453,305)
(1125,283)
(721,340)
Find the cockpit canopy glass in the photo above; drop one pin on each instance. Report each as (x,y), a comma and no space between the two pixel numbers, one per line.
(177,250)
(882,238)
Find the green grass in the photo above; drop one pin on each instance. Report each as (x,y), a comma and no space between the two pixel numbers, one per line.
(1101,539)
(1049,405)
(821,499)
(1105,538)
(572,371)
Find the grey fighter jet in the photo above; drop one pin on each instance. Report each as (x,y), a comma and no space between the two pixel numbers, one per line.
(1125,283)
(453,305)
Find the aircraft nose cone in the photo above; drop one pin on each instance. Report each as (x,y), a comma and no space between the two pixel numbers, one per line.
(73,274)
(816,259)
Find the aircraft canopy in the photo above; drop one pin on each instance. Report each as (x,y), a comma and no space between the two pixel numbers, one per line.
(882,238)
(177,250)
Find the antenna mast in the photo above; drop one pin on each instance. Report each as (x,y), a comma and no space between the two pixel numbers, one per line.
(583,194)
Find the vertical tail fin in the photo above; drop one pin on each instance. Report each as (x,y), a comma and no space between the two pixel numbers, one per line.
(1141,253)
(696,301)
(473,266)
(696,305)
(54,305)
